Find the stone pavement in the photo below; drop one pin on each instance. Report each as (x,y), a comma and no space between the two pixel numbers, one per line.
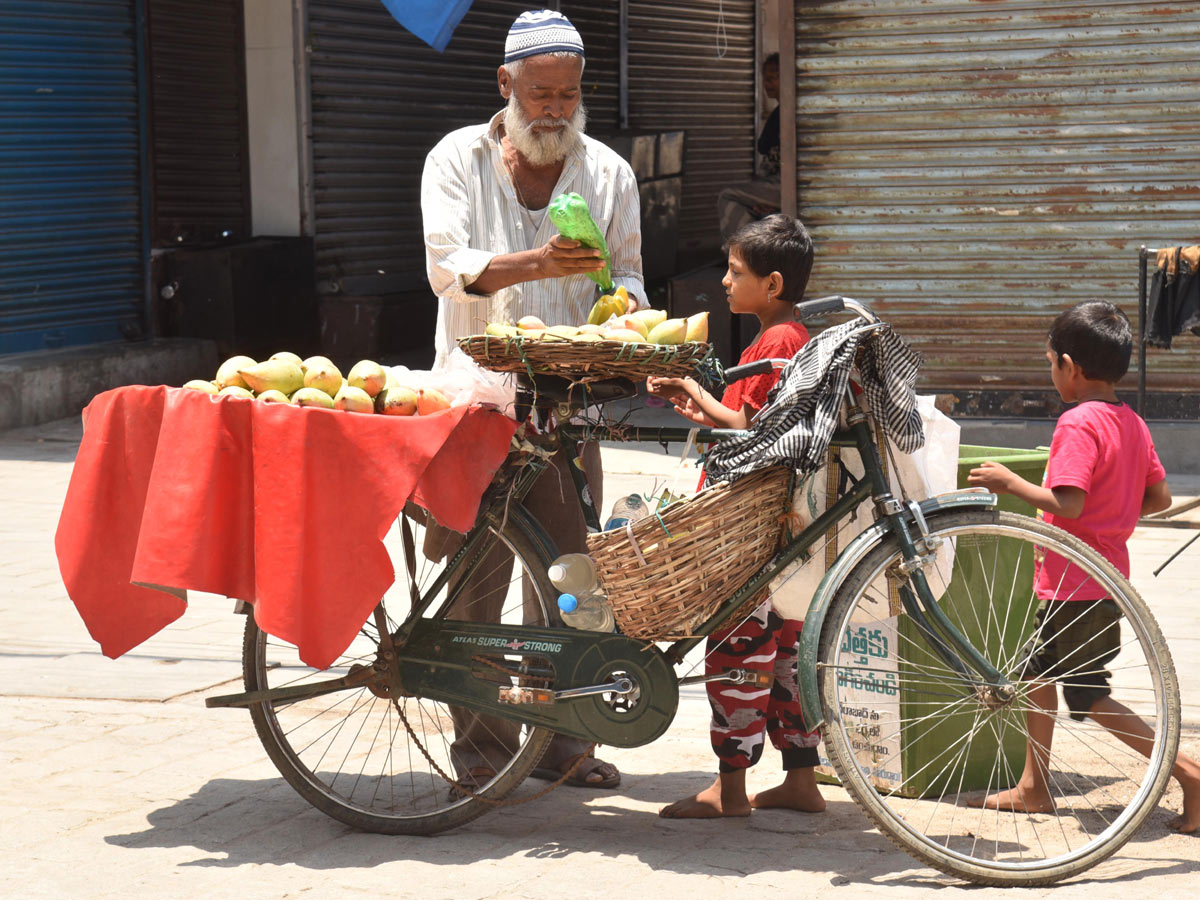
(119,783)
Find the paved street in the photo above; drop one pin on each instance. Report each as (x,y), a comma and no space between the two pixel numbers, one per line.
(119,783)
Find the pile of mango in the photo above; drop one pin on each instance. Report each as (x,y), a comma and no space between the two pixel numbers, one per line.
(609,320)
(286,378)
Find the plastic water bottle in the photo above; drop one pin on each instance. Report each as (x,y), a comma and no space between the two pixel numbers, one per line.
(590,612)
(574,573)
(626,510)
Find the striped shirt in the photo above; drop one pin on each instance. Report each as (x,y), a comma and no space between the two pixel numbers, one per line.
(471,214)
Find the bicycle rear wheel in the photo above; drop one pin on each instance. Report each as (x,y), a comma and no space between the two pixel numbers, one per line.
(381,763)
(916,745)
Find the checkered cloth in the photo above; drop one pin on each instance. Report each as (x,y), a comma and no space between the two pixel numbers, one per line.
(801,415)
(541,31)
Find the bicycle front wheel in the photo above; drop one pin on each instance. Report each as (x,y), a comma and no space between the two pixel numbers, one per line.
(385,764)
(919,745)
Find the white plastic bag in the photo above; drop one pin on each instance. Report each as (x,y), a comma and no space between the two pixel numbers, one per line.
(930,471)
(464,382)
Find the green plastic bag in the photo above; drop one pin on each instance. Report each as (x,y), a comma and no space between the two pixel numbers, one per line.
(570,214)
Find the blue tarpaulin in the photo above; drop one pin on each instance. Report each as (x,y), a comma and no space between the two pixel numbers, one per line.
(433,21)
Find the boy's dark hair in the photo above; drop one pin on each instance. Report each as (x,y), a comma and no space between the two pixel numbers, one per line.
(780,244)
(771,59)
(1097,336)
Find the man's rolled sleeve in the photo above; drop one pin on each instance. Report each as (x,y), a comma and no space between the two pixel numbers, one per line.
(450,263)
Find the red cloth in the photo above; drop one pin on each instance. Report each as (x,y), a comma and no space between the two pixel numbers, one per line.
(281,506)
(1104,449)
(777,342)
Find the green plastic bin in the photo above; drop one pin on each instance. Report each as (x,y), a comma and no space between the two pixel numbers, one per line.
(919,771)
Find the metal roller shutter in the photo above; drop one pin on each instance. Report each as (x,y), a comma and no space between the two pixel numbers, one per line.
(691,69)
(973,168)
(71,249)
(198,151)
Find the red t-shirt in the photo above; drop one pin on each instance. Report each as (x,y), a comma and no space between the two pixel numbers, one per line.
(1104,449)
(777,342)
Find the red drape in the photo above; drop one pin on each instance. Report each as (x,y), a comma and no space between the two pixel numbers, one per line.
(282,506)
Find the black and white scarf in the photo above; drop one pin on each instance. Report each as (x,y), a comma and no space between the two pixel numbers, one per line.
(801,415)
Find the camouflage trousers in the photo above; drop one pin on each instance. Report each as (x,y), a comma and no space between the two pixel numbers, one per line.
(744,714)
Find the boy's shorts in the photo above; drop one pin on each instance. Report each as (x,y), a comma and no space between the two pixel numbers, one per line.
(1072,642)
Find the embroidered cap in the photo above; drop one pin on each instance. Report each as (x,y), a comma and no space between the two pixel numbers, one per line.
(541,31)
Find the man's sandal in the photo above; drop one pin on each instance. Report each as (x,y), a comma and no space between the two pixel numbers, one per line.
(578,778)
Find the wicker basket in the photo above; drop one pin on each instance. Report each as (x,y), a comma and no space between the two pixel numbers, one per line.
(716,540)
(581,361)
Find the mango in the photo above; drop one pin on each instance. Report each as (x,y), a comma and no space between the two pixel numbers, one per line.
(227,373)
(628,335)
(353,399)
(531,323)
(623,295)
(650,317)
(198,385)
(310,396)
(497,329)
(368,376)
(431,400)
(633,324)
(561,331)
(396,400)
(273,375)
(697,327)
(274,397)
(234,391)
(313,361)
(586,337)
(591,329)
(289,356)
(672,331)
(323,375)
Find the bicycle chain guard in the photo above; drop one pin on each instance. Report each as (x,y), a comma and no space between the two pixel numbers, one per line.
(474,665)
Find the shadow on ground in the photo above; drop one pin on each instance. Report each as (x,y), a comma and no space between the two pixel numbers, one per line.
(265,822)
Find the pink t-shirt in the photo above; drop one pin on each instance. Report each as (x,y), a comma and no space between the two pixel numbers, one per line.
(1105,449)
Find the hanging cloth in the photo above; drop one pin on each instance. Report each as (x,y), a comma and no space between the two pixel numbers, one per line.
(1174,305)
(801,415)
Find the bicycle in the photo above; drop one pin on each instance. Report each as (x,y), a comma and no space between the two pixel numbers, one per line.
(369,741)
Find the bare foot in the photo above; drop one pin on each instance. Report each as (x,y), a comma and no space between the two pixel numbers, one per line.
(800,794)
(1189,820)
(1016,799)
(710,803)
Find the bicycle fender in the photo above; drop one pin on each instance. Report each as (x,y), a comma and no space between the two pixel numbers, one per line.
(855,552)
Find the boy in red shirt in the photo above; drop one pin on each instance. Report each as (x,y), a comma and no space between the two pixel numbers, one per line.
(1102,474)
(769,264)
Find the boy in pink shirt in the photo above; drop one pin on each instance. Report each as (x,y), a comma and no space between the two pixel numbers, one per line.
(1102,474)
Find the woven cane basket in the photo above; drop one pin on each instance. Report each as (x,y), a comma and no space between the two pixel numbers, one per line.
(692,557)
(581,361)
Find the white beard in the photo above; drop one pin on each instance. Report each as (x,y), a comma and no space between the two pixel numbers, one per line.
(548,147)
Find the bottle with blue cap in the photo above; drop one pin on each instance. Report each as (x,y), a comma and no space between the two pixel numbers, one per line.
(581,603)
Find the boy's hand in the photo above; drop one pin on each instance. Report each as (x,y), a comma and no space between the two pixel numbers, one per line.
(668,388)
(994,477)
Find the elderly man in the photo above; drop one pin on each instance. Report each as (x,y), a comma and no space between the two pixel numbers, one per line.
(493,255)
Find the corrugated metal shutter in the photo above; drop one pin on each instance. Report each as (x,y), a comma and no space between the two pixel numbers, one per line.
(973,168)
(691,69)
(199,157)
(381,99)
(70,220)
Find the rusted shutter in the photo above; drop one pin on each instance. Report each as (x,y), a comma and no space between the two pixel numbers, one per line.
(691,69)
(973,168)
(381,99)
(198,137)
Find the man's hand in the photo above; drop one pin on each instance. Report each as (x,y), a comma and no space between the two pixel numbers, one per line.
(563,256)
